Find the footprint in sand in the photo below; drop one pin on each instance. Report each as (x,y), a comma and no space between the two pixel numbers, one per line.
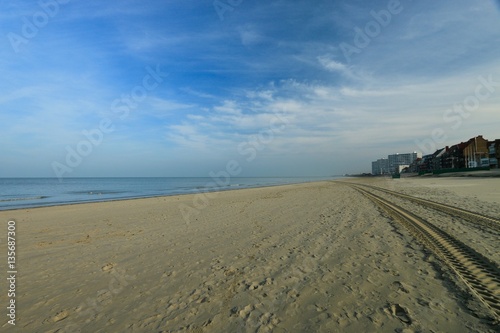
(60,316)
(400,312)
(400,287)
(246,311)
(109,266)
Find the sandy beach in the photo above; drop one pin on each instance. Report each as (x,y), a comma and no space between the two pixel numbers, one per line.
(314,257)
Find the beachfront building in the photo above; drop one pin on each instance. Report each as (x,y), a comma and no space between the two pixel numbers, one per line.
(474,153)
(380,167)
(415,166)
(454,157)
(403,168)
(425,164)
(477,153)
(494,153)
(395,160)
(438,159)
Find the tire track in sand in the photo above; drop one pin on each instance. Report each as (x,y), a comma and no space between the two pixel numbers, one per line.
(480,275)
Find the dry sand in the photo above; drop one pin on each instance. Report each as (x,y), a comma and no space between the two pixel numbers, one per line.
(315,257)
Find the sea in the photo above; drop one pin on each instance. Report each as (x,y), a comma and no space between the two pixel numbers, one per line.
(21,193)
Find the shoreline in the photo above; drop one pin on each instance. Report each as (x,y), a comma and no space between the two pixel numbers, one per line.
(198,191)
(221,189)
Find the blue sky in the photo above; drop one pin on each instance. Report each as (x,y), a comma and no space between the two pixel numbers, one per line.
(288,88)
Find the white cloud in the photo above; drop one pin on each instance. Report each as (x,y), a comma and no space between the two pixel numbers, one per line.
(320,116)
(352,92)
(349,72)
(332,65)
(249,36)
(228,107)
(169,105)
(198,93)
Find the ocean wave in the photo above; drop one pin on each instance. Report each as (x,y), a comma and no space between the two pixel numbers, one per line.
(96,192)
(41,197)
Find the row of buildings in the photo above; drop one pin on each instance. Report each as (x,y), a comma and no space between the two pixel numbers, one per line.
(477,152)
(394,163)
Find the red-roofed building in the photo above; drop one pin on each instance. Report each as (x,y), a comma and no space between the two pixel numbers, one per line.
(476,153)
